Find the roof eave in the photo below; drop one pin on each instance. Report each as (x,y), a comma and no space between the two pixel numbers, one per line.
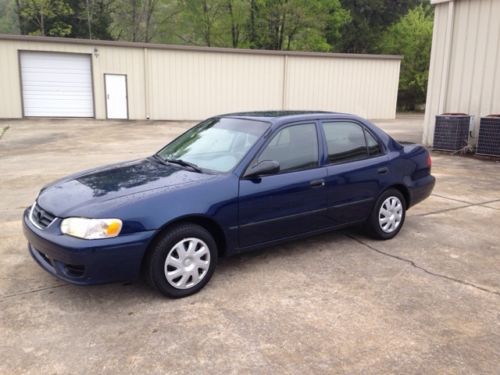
(175,47)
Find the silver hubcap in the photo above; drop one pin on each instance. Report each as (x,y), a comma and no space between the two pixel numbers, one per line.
(390,214)
(187,263)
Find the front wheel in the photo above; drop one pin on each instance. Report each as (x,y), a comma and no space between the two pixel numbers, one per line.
(182,261)
(388,215)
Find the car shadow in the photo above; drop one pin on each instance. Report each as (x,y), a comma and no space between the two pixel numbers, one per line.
(136,292)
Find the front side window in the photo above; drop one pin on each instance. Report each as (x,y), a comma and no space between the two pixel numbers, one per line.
(294,147)
(347,141)
(217,144)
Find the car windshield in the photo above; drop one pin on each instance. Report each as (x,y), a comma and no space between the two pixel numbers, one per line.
(217,144)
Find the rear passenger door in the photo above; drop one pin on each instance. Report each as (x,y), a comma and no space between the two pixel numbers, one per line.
(357,167)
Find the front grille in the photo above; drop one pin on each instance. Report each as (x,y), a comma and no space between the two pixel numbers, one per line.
(41,218)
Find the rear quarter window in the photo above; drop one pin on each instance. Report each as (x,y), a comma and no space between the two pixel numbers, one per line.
(373,145)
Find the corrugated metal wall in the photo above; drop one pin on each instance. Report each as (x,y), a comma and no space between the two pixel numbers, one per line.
(10,84)
(191,85)
(365,87)
(109,60)
(464,73)
(194,85)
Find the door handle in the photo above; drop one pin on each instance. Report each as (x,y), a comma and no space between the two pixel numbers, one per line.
(383,170)
(317,183)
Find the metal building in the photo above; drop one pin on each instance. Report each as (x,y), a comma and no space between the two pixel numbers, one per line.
(464,74)
(60,77)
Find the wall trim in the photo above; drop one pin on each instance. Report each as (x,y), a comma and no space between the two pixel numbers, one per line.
(94,42)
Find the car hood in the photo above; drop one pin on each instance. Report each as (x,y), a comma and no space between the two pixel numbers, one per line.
(112,182)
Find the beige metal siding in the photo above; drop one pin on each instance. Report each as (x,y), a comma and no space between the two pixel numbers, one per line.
(193,85)
(106,60)
(436,70)
(188,84)
(117,60)
(10,85)
(473,82)
(364,87)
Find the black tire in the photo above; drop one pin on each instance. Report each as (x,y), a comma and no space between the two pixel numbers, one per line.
(373,224)
(155,262)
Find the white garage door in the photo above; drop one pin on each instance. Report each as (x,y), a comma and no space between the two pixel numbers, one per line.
(57,84)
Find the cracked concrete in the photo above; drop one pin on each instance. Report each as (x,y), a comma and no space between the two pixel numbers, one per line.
(467,204)
(413,264)
(3,130)
(425,302)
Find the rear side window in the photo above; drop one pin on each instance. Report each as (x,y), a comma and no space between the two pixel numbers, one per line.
(348,141)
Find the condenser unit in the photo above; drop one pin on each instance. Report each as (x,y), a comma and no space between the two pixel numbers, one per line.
(451,132)
(489,136)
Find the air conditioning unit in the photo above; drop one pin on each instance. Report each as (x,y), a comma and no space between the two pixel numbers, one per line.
(451,132)
(489,136)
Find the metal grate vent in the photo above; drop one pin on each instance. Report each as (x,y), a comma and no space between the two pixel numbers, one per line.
(489,136)
(451,132)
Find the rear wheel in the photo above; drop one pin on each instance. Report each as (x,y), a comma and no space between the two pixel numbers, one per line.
(182,261)
(388,215)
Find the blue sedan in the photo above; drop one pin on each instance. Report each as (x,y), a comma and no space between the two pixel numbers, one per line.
(230,184)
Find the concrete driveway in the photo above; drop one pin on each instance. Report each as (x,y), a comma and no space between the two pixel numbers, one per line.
(427,301)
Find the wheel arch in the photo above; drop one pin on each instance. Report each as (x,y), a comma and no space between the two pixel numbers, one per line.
(205,222)
(403,190)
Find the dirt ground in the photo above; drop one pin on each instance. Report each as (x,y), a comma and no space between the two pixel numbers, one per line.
(427,301)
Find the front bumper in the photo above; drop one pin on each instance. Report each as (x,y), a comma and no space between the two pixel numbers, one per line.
(86,262)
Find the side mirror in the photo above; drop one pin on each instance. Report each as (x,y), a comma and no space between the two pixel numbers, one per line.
(263,168)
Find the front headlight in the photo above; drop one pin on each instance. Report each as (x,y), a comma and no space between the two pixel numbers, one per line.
(91,229)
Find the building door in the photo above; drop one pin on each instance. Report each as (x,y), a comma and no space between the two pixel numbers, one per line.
(56,84)
(116,96)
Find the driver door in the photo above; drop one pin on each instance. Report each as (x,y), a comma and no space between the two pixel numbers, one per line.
(291,202)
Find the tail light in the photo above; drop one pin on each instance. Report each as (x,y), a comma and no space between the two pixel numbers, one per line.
(429,161)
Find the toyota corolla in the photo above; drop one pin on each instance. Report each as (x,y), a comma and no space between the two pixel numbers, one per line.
(230,184)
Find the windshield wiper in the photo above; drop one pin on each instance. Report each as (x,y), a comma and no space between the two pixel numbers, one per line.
(159,158)
(184,163)
(181,162)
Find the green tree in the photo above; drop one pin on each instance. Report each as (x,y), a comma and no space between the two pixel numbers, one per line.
(201,21)
(218,23)
(295,24)
(9,22)
(370,18)
(238,12)
(144,20)
(91,19)
(164,26)
(322,29)
(70,18)
(411,37)
(127,20)
(45,17)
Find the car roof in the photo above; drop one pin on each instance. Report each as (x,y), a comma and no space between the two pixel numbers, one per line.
(280,117)
(272,114)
